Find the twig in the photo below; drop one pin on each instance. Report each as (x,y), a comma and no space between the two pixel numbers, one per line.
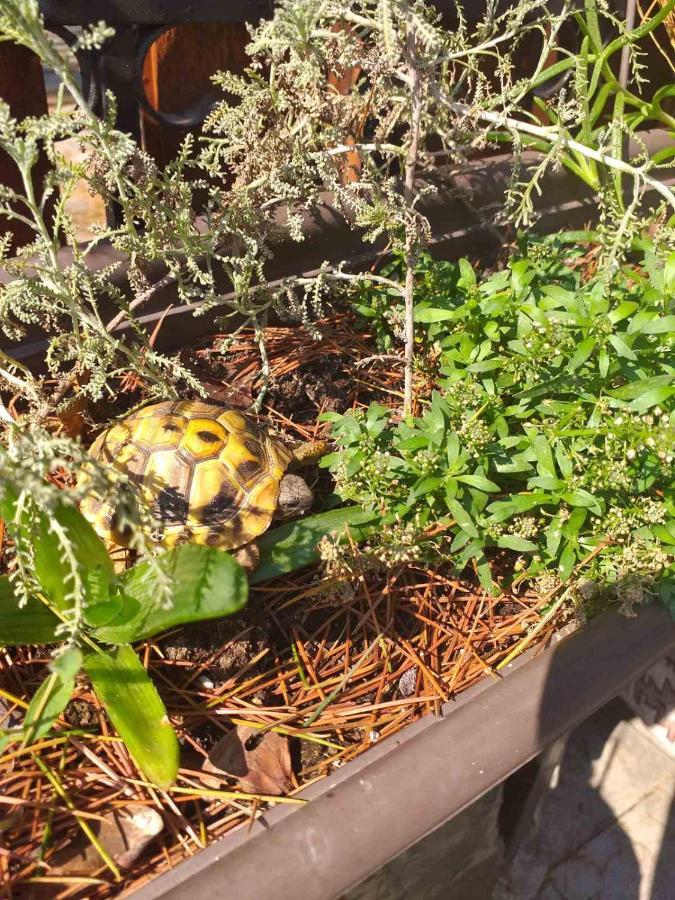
(412,237)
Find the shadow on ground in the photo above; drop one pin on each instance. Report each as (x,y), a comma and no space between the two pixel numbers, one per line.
(606,826)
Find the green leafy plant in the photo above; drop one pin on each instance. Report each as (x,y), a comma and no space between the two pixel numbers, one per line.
(113,612)
(551,431)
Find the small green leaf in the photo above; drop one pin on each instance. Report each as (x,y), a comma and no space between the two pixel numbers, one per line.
(513,542)
(452,448)
(567,562)
(622,347)
(544,455)
(546,483)
(206,583)
(485,575)
(580,497)
(635,389)
(428,315)
(662,325)
(480,482)
(522,275)
(651,398)
(553,536)
(136,710)
(423,486)
(622,311)
(564,462)
(32,624)
(581,354)
(52,697)
(462,518)
(468,276)
(572,527)
(669,274)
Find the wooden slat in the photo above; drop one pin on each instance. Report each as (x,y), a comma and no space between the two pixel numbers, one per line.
(22,87)
(177,72)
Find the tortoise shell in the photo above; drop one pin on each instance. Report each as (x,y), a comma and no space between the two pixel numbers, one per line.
(207,473)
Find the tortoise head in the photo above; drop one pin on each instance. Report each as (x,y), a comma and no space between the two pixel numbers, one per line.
(295,497)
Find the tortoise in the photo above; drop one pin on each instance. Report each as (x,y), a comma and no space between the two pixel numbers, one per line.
(208,474)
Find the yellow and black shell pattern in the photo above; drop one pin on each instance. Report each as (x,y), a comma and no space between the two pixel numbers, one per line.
(207,473)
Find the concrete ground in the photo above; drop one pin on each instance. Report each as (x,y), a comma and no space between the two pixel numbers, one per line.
(605,828)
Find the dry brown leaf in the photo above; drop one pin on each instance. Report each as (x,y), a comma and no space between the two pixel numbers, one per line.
(260,762)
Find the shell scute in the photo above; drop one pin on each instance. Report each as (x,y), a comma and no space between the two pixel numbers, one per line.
(204,439)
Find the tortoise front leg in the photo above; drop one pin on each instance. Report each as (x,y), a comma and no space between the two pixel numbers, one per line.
(248,557)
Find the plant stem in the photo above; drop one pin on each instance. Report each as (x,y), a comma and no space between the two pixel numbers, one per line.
(551,135)
(411,238)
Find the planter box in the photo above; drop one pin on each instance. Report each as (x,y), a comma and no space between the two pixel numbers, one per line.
(384,802)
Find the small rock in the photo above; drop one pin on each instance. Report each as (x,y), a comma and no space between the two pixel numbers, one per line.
(407,682)
(123,833)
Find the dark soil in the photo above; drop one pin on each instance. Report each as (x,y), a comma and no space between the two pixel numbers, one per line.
(321,385)
(218,646)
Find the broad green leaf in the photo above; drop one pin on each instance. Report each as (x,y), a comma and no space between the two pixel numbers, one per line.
(32,624)
(51,569)
(460,540)
(206,583)
(136,710)
(640,321)
(57,535)
(558,294)
(665,534)
(102,606)
(293,545)
(52,697)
